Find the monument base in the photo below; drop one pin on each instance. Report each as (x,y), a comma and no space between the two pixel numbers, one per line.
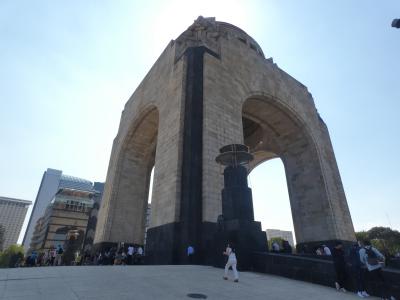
(246,237)
(164,245)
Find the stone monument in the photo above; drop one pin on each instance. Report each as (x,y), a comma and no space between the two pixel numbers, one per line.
(211,87)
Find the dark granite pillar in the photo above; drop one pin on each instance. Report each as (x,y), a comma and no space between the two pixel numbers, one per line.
(189,229)
(236,226)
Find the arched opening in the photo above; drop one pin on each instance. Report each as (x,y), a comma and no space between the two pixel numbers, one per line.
(271,130)
(271,200)
(136,163)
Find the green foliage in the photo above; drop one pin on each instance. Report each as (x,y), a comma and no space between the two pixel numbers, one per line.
(12,256)
(275,239)
(384,239)
(362,236)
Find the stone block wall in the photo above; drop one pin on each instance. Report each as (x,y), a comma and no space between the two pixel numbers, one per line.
(149,135)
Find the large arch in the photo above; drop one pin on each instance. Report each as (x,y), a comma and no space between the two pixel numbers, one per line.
(206,84)
(130,186)
(272,130)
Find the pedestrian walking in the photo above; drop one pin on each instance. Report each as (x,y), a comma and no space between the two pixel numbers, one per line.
(231,263)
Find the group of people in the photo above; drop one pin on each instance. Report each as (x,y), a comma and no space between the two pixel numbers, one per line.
(285,248)
(364,261)
(51,257)
(323,250)
(113,256)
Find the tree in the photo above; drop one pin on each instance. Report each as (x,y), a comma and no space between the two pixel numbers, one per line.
(362,236)
(12,256)
(383,238)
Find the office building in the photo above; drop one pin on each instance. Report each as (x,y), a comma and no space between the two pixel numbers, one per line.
(12,216)
(67,213)
(52,181)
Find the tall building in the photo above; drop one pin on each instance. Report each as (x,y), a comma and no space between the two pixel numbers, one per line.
(52,181)
(12,216)
(283,234)
(67,212)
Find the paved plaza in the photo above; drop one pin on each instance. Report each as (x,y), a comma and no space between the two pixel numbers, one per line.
(152,282)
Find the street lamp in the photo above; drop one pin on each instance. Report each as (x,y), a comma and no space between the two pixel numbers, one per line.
(396,23)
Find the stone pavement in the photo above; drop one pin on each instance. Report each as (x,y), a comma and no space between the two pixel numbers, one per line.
(152,282)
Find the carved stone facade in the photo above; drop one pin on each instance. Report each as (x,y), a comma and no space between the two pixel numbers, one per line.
(211,87)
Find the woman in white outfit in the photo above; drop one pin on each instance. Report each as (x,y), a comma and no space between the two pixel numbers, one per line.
(230,252)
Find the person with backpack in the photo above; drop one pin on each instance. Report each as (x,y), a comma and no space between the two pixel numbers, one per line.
(231,263)
(357,272)
(372,260)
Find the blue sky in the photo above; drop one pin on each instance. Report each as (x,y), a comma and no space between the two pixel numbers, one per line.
(68,67)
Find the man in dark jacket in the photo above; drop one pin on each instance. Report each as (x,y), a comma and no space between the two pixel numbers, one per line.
(340,266)
(357,271)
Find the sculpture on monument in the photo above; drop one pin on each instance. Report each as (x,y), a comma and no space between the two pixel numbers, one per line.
(212,87)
